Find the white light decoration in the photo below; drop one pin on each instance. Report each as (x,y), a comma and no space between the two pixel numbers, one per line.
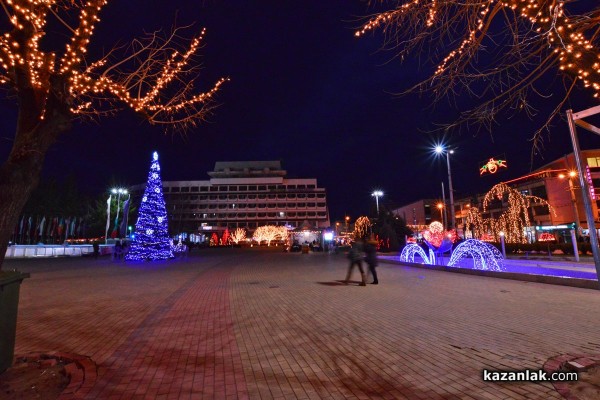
(412,249)
(149,231)
(484,255)
(155,176)
(144,199)
(160,220)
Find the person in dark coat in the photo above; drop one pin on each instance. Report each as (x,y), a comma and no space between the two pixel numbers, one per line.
(355,257)
(371,258)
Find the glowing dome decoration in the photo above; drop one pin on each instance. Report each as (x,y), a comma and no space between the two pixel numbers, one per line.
(412,249)
(484,255)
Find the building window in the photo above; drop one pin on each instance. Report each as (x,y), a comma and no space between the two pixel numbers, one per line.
(185,189)
(272,187)
(204,188)
(175,190)
(214,189)
(593,162)
(252,187)
(194,188)
(165,189)
(262,187)
(233,188)
(222,188)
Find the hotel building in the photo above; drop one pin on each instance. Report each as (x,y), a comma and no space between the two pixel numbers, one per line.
(243,194)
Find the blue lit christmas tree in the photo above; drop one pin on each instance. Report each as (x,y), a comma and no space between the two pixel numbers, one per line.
(151,240)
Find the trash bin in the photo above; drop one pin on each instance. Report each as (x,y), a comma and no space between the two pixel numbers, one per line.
(10,282)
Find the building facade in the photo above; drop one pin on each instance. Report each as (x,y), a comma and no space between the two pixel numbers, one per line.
(420,213)
(243,194)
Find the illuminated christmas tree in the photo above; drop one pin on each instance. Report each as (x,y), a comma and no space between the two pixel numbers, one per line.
(151,240)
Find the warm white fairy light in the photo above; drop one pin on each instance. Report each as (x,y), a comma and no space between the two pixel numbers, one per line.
(564,36)
(84,86)
(512,222)
(361,227)
(238,235)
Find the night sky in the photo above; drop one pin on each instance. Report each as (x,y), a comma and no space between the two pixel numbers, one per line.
(305,91)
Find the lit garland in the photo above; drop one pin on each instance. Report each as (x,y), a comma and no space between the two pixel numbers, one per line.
(226,238)
(523,41)
(238,235)
(269,233)
(484,255)
(512,221)
(156,85)
(564,35)
(151,239)
(361,227)
(410,250)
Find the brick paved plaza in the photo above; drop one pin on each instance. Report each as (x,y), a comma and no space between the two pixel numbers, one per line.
(261,324)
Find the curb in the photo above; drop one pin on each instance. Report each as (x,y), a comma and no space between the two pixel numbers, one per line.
(81,371)
(551,280)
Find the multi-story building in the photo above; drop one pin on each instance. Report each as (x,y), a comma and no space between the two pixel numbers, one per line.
(420,213)
(244,194)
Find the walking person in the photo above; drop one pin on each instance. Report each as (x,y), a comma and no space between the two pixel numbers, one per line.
(371,258)
(355,257)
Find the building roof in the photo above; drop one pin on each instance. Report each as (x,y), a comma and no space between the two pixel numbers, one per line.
(230,169)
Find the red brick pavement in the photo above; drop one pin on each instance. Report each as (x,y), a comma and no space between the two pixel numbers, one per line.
(269,325)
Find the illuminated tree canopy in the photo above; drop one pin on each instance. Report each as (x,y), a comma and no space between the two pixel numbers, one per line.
(512,221)
(49,74)
(498,51)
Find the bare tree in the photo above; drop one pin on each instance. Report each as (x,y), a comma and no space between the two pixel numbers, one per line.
(155,76)
(497,51)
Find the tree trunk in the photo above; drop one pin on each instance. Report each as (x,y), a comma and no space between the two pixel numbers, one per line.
(20,173)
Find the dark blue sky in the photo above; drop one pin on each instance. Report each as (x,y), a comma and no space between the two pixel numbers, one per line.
(303,90)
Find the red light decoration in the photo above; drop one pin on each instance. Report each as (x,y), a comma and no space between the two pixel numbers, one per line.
(546,237)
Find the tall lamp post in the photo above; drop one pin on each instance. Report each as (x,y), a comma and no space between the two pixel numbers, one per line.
(377,194)
(439,149)
(440,207)
(118,192)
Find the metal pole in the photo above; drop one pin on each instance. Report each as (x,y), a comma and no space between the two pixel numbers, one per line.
(444,214)
(585,193)
(377,203)
(575,249)
(452,216)
(573,197)
(502,244)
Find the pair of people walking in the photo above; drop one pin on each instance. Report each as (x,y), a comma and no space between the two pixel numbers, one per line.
(355,255)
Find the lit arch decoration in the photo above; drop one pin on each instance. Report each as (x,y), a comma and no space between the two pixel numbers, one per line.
(484,255)
(409,251)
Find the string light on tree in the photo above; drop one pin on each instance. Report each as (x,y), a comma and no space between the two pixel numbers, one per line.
(539,36)
(361,227)
(238,235)
(57,84)
(151,240)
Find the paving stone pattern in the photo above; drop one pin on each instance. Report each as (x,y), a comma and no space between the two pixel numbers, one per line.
(263,324)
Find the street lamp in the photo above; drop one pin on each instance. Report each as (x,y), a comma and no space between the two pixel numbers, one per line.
(440,207)
(347,221)
(118,192)
(439,150)
(377,194)
(572,174)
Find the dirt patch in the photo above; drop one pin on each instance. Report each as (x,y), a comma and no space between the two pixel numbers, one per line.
(33,379)
(588,385)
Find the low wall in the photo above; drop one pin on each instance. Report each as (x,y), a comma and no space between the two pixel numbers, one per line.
(31,251)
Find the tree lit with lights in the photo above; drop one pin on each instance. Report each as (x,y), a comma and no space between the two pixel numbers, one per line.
(512,221)
(54,83)
(523,40)
(238,235)
(361,227)
(151,240)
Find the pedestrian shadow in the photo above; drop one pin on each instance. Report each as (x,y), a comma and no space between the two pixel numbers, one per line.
(337,283)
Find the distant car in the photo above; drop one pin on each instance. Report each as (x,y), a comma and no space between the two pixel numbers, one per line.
(295,247)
